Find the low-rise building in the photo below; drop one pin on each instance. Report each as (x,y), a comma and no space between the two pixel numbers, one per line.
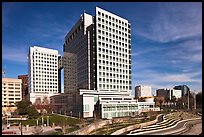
(143,91)
(11,93)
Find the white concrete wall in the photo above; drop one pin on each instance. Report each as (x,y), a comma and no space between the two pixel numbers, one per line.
(177,93)
(88,100)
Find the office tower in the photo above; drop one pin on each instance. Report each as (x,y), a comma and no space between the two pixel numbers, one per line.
(60,67)
(185,89)
(43,72)
(143,91)
(24,85)
(102,46)
(103,49)
(11,93)
(70,72)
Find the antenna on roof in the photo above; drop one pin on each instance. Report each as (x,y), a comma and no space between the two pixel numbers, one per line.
(4,72)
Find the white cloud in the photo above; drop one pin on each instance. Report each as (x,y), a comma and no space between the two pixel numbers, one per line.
(173,21)
(16,54)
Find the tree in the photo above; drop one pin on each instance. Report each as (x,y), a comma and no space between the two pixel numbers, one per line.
(25,107)
(199,100)
(43,105)
(173,100)
(32,112)
(22,107)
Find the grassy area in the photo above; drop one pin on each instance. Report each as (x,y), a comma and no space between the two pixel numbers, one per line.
(53,118)
(182,115)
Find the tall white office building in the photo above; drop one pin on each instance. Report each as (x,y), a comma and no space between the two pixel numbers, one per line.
(102,46)
(43,72)
(113,51)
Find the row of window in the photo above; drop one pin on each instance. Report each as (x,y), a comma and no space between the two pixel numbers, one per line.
(13,99)
(44,79)
(116,70)
(46,90)
(110,35)
(74,33)
(114,51)
(36,87)
(11,91)
(44,54)
(116,65)
(112,19)
(43,58)
(47,75)
(11,88)
(10,95)
(107,39)
(46,68)
(111,24)
(114,86)
(4,84)
(51,83)
(112,58)
(113,80)
(102,44)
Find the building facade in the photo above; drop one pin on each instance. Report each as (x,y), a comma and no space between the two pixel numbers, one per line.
(101,45)
(70,72)
(176,93)
(163,93)
(24,87)
(185,89)
(143,91)
(11,93)
(43,72)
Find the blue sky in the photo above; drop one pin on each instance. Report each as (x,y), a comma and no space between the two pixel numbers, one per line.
(166,37)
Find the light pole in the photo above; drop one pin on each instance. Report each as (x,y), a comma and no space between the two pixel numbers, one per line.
(42,121)
(7,119)
(71,113)
(47,120)
(21,127)
(37,122)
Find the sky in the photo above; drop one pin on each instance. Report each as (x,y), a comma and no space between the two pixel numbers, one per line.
(166,37)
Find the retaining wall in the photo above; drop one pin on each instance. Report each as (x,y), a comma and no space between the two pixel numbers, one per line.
(136,126)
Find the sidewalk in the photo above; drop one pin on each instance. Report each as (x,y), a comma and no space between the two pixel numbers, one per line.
(16,130)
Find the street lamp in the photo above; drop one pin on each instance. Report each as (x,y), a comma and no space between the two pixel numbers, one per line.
(7,119)
(47,120)
(21,127)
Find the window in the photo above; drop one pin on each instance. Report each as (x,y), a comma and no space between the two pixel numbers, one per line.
(86,108)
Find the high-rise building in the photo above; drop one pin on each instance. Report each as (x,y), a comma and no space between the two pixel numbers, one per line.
(11,93)
(24,85)
(70,72)
(143,91)
(185,89)
(43,72)
(101,47)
